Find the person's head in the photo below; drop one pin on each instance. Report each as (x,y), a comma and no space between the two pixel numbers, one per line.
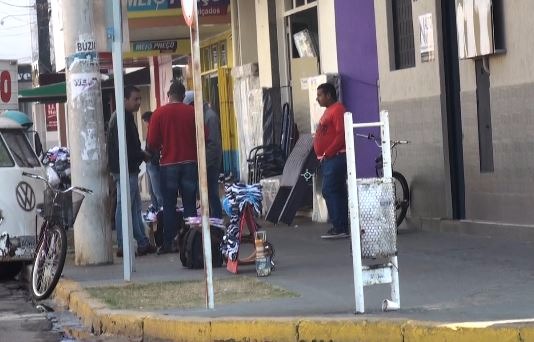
(189,98)
(146,116)
(326,94)
(132,99)
(176,91)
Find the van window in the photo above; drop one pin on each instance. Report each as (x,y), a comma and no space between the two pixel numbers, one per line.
(5,158)
(20,149)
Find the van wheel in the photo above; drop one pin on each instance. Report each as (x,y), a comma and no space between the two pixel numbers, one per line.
(9,270)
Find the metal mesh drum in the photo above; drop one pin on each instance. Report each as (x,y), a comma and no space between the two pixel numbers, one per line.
(378,231)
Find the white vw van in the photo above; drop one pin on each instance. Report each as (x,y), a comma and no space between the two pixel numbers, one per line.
(18,197)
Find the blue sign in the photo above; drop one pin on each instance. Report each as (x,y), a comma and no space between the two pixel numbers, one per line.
(205,7)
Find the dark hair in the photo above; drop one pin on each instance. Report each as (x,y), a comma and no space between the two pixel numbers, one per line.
(176,89)
(328,89)
(146,116)
(128,90)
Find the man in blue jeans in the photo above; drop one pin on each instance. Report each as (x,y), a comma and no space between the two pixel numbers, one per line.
(154,177)
(329,146)
(213,153)
(172,131)
(135,155)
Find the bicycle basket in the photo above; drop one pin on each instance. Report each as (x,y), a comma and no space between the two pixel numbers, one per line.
(62,207)
(378,231)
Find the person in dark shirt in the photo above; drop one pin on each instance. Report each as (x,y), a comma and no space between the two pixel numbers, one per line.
(213,153)
(135,155)
(329,146)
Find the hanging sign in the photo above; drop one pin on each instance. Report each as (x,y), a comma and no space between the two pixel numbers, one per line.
(188,10)
(426,30)
(51,117)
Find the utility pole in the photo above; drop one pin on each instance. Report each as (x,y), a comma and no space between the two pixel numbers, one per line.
(92,231)
(190,12)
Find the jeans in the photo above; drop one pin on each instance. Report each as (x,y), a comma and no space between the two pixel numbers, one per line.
(183,177)
(213,191)
(335,191)
(135,202)
(154,180)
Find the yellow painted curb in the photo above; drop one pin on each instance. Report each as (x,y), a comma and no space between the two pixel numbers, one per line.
(122,323)
(148,326)
(526,334)
(63,290)
(417,332)
(176,329)
(261,329)
(349,330)
(86,308)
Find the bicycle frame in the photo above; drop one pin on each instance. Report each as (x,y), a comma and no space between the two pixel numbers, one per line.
(377,141)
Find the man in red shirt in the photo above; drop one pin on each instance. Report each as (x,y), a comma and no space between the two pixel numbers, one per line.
(172,131)
(329,146)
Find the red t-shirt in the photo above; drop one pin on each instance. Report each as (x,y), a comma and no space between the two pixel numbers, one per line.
(330,134)
(172,129)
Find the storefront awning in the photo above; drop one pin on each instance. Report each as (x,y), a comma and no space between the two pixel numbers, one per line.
(55,93)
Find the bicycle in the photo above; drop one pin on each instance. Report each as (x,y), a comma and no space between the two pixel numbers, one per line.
(59,212)
(401,189)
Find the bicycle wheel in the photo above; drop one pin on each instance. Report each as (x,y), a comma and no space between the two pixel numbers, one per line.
(402,197)
(49,262)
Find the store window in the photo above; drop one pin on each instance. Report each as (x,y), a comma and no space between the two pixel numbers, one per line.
(295,4)
(402,34)
(214,55)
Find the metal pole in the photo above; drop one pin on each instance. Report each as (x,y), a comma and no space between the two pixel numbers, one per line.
(388,173)
(354,212)
(92,233)
(126,212)
(201,156)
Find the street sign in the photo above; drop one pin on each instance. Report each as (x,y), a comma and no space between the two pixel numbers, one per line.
(188,10)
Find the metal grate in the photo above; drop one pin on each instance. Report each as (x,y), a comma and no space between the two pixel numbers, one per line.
(378,231)
(403,38)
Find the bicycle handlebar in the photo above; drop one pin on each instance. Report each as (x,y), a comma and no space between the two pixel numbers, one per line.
(371,137)
(79,188)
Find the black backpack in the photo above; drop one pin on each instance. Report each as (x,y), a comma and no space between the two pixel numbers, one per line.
(191,254)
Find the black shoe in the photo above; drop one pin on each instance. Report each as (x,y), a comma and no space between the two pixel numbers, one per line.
(166,250)
(334,234)
(148,249)
(119,253)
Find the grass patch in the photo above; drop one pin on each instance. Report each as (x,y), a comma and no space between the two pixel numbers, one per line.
(186,294)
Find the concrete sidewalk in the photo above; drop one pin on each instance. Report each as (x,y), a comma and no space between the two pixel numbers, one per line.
(446,281)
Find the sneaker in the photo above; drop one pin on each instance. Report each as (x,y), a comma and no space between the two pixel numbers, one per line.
(334,234)
(151,214)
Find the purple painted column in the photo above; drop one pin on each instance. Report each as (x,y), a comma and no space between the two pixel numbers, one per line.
(358,68)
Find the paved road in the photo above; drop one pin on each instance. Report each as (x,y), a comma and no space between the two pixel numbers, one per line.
(19,319)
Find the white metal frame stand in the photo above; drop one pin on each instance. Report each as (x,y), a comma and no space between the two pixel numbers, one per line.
(380,274)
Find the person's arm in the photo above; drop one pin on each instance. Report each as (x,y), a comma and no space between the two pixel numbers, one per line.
(338,143)
(153,139)
(133,144)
